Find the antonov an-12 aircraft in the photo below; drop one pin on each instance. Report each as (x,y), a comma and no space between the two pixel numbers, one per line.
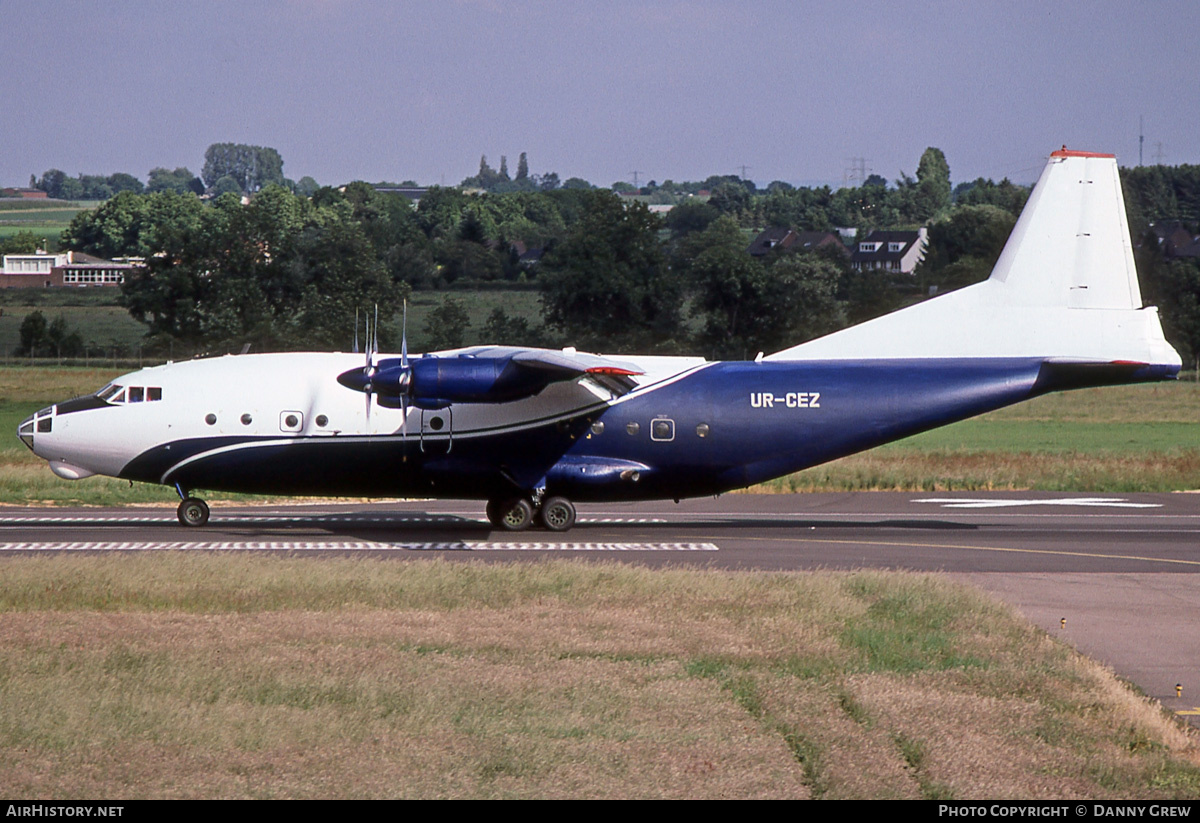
(532,430)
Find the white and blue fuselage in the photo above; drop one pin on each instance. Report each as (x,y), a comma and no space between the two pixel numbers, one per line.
(1061,310)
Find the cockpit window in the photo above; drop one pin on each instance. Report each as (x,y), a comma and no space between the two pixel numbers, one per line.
(134,394)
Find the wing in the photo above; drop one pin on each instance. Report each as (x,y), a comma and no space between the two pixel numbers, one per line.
(491,374)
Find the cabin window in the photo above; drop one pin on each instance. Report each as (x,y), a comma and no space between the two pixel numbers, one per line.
(436,423)
(291,421)
(322,420)
(702,430)
(210,419)
(632,427)
(662,429)
(247,420)
(598,427)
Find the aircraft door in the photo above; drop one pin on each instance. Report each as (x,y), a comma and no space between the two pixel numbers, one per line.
(437,431)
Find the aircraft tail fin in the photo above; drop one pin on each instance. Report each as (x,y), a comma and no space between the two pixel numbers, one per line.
(1064,287)
(1071,246)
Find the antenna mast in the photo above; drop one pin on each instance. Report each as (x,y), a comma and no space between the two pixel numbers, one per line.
(1141,137)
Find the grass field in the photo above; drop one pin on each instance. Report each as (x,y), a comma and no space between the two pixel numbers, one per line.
(1119,439)
(45,218)
(226,676)
(103,324)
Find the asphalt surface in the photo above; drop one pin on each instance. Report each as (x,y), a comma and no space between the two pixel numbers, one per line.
(1113,575)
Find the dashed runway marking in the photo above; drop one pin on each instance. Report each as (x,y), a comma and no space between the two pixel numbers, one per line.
(290,518)
(353,546)
(975,503)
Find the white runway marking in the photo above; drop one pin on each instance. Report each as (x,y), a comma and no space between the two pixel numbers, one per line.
(354,546)
(967,503)
(292,518)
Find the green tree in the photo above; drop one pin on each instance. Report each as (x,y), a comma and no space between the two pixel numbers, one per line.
(61,340)
(690,216)
(1155,194)
(23,242)
(747,306)
(251,167)
(71,189)
(803,209)
(133,225)
(447,325)
(440,211)
(730,198)
(281,272)
(980,192)
(964,246)
(504,330)
(227,184)
(1174,287)
(608,285)
(306,186)
(930,194)
(33,334)
(180,181)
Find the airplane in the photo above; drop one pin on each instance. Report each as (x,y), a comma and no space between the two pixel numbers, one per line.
(533,431)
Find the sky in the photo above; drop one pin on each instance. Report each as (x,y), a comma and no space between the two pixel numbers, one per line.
(795,90)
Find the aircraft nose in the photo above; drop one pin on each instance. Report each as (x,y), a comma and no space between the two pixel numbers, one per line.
(25,431)
(40,423)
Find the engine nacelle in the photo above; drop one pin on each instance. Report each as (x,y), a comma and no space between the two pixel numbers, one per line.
(437,382)
(474,380)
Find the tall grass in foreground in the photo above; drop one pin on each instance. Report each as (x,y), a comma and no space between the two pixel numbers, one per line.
(231,676)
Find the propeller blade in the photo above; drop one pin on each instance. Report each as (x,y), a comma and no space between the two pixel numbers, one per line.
(404,337)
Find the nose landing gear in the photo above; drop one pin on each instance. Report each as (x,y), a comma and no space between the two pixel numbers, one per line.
(192,511)
(515,514)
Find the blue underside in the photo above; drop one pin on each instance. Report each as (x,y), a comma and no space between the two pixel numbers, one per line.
(760,420)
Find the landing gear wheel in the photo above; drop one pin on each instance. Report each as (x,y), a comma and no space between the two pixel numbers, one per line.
(512,515)
(495,513)
(557,514)
(192,512)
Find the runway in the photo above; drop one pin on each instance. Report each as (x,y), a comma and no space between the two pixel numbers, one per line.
(1118,569)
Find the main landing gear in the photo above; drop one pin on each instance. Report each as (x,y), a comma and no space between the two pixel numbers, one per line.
(192,511)
(516,514)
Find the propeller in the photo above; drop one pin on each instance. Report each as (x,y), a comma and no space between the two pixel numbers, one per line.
(405,372)
(370,369)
